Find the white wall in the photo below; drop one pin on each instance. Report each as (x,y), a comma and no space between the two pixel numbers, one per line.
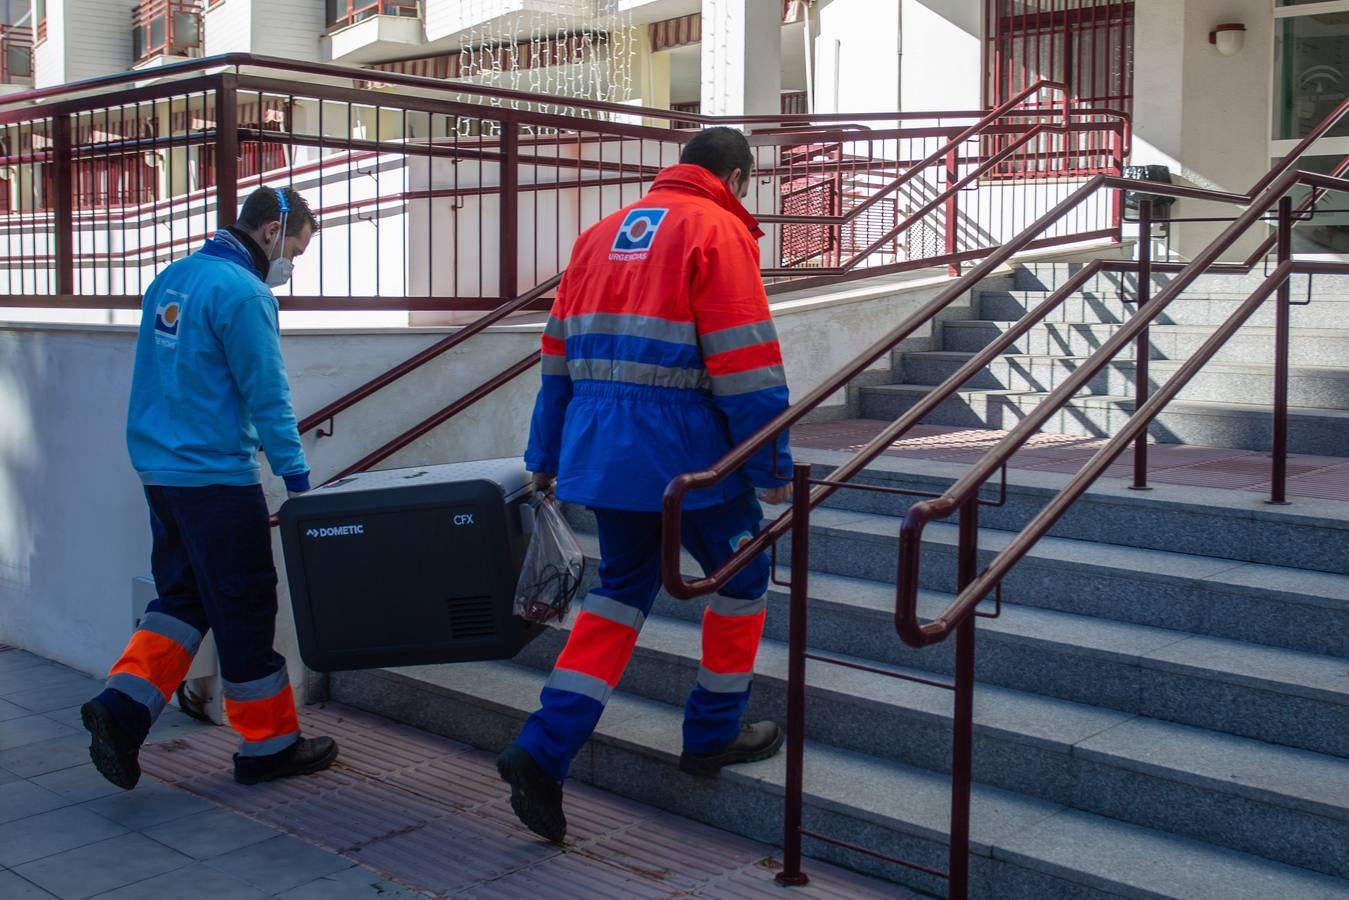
(942,55)
(229,27)
(85,38)
(73,526)
(289,29)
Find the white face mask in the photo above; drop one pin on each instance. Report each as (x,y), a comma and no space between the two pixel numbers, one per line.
(279,272)
(281,268)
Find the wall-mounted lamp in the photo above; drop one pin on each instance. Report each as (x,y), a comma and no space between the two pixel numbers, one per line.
(1228,37)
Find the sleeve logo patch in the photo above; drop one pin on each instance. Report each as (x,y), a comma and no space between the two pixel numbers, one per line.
(638,231)
(168,317)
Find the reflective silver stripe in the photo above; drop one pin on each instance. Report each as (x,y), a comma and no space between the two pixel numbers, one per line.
(554,329)
(635,326)
(637,373)
(717,683)
(176,630)
(611,609)
(554,364)
(745,382)
(140,690)
(732,606)
(260,689)
(580,683)
(269,746)
(740,336)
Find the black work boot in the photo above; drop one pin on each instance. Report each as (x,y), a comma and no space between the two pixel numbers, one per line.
(304,757)
(535,797)
(114,753)
(756,741)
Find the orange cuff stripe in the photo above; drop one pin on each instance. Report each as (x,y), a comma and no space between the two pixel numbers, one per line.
(157,659)
(258,720)
(744,359)
(598,647)
(730,643)
(553,346)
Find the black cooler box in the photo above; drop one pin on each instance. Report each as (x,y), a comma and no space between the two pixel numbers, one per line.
(409,566)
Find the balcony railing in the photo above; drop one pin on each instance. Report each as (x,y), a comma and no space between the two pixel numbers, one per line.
(342,13)
(166,28)
(16,54)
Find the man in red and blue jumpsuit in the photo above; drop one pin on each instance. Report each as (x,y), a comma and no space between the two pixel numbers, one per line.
(659,356)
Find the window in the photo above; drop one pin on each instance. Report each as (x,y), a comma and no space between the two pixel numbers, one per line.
(1311,64)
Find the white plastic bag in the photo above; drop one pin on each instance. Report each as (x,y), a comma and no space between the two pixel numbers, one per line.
(553,568)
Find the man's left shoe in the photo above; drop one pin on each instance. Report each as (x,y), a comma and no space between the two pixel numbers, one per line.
(756,741)
(304,757)
(114,753)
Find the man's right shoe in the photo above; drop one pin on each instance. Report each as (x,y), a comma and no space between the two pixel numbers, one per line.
(304,757)
(535,797)
(756,741)
(114,754)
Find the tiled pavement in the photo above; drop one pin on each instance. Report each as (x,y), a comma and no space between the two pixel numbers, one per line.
(1318,477)
(404,814)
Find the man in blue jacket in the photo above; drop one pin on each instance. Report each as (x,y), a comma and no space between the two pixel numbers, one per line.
(209,390)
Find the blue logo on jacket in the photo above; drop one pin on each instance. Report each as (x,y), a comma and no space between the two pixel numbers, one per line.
(638,230)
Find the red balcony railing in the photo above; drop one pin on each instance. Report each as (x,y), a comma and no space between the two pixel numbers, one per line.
(166,28)
(16,53)
(342,13)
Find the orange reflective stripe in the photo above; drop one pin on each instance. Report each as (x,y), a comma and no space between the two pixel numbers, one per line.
(154,658)
(730,643)
(258,720)
(598,647)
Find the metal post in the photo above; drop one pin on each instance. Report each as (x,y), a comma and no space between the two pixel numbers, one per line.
(952,210)
(962,740)
(1278,482)
(1143,347)
(510,210)
(63,204)
(1117,195)
(227,150)
(791,873)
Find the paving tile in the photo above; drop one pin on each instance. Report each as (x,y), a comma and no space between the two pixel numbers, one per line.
(21,799)
(56,697)
(280,863)
(77,785)
(12,711)
(209,834)
(572,875)
(195,882)
(12,661)
(356,883)
(150,804)
(105,866)
(29,729)
(36,837)
(45,676)
(47,756)
(12,887)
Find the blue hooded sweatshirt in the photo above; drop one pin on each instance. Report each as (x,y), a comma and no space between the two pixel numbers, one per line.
(210,386)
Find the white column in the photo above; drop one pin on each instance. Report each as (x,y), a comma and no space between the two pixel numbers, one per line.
(741,57)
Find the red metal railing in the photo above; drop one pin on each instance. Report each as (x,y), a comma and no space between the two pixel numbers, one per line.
(475,194)
(349,12)
(16,53)
(166,28)
(974,586)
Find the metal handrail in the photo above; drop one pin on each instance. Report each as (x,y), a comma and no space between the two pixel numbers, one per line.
(416,361)
(741,454)
(925,511)
(237,61)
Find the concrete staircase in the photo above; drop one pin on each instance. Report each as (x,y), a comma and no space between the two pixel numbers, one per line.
(1162,709)
(1227,405)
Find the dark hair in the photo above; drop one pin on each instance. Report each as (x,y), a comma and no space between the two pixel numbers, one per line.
(263,206)
(720,150)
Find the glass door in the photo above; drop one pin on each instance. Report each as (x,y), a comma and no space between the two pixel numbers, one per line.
(1311,78)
